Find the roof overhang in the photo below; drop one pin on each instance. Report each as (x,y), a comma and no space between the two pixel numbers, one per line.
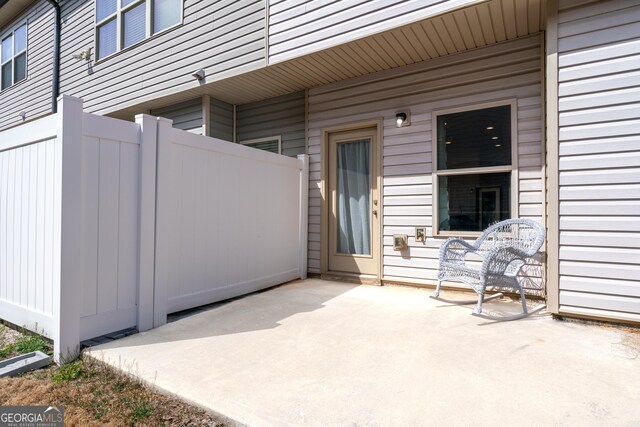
(9,9)
(468,28)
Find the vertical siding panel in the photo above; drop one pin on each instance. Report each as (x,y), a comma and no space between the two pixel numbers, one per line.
(597,81)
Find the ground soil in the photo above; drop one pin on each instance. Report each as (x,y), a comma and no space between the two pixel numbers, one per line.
(96,395)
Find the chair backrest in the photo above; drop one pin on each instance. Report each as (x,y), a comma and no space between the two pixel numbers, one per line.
(523,234)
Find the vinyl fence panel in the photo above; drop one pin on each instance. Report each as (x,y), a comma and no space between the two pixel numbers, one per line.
(29,190)
(228,220)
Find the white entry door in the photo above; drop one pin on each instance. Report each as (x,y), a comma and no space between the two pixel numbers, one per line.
(354,207)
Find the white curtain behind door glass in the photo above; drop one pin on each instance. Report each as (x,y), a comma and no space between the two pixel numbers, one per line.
(353,204)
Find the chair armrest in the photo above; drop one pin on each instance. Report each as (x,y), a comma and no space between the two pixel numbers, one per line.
(454,250)
(498,259)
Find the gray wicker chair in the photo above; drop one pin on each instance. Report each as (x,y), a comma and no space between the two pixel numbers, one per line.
(503,249)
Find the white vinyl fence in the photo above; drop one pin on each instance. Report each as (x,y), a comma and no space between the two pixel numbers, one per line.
(227,220)
(107,224)
(30,224)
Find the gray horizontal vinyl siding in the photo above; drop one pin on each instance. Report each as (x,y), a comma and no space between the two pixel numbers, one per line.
(299,27)
(221,118)
(186,115)
(282,116)
(599,158)
(33,95)
(509,70)
(224,38)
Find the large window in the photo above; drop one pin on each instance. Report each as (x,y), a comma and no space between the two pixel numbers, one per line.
(474,167)
(13,56)
(123,23)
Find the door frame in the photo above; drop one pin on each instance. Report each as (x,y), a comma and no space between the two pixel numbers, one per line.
(378,124)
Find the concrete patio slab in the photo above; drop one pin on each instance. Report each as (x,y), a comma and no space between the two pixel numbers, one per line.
(320,353)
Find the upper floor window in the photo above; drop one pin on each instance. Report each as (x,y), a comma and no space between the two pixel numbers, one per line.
(13,56)
(475,166)
(123,23)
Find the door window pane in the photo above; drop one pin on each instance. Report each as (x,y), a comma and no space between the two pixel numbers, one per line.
(134,24)
(353,201)
(20,37)
(166,13)
(473,202)
(20,67)
(105,8)
(476,138)
(107,41)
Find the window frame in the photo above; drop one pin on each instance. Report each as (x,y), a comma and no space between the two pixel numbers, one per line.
(11,31)
(436,173)
(118,15)
(265,139)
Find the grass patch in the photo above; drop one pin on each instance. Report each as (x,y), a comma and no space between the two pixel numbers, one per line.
(6,351)
(141,410)
(68,372)
(21,343)
(28,343)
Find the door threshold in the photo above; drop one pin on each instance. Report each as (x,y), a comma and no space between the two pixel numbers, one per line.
(362,279)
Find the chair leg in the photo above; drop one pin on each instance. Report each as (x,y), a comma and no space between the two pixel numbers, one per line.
(437,293)
(480,301)
(524,301)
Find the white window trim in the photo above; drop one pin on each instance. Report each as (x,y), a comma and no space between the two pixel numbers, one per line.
(513,167)
(265,139)
(4,35)
(120,30)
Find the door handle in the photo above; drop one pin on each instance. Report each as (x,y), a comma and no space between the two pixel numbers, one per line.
(375,212)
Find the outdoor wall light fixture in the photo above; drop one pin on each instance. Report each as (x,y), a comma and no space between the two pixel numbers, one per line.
(85,55)
(199,74)
(402,119)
